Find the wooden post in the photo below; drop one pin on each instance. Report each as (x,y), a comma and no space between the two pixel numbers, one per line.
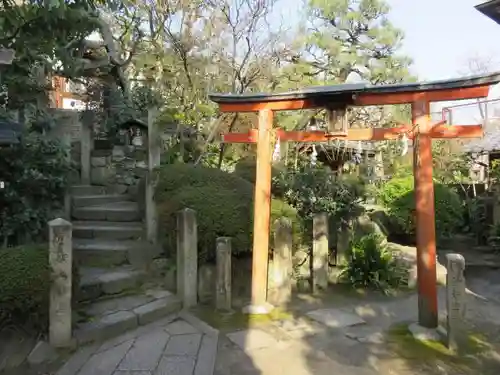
(60,260)
(455,301)
(154,151)
(223,275)
(187,257)
(424,205)
(319,261)
(262,209)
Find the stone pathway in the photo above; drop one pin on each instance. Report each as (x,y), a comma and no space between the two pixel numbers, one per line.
(176,345)
(346,340)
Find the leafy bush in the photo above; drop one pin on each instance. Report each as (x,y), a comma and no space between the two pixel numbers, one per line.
(371,265)
(24,286)
(318,190)
(223,203)
(246,169)
(35,173)
(399,197)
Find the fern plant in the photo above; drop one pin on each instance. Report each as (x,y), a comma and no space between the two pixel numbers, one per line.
(372,265)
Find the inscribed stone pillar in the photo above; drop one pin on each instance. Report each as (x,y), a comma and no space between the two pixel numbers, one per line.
(282,259)
(154,150)
(223,274)
(60,261)
(455,300)
(319,262)
(86,139)
(187,257)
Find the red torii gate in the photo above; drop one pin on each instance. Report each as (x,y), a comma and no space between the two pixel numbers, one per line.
(336,100)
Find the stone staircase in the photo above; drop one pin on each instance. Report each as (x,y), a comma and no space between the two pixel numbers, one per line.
(109,247)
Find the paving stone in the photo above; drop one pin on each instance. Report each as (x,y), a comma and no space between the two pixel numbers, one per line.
(180,327)
(42,352)
(252,339)
(157,294)
(145,352)
(118,340)
(127,372)
(104,363)
(117,304)
(335,318)
(108,326)
(183,345)
(299,328)
(206,356)
(154,310)
(176,366)
(77,360)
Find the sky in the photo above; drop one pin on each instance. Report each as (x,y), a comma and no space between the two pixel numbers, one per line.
(440,36)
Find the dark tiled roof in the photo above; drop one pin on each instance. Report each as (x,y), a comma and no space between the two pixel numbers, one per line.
(348,90)
(490,9)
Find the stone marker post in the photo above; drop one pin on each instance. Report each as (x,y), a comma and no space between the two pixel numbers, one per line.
(86,146)
(282,259)
(187,257)
(455,300)
(60,261)
(154,151)
(223,274)
(319,263)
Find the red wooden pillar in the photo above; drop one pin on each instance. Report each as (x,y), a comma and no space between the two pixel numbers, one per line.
(262,211)
(425,216)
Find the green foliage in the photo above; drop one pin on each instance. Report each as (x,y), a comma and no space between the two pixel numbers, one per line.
(371,265)
(246,169)
(318,190)
(399,197)
(223,203)
(35,173)
(24,286)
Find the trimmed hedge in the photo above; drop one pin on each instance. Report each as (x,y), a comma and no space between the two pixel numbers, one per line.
(25,286)
(398,196)
(223,203)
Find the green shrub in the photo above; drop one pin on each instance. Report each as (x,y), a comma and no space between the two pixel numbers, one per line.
(398,196)
(246,169)
(223,203)
(317,190)
(35,173)
(24,286)
(371,265)
(173,177)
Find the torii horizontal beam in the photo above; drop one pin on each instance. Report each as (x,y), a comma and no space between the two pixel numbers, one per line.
(438,131)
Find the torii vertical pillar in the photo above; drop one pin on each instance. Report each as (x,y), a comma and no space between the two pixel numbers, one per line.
(262,211)
(425,215)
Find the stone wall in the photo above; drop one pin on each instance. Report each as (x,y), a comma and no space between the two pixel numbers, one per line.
(122,167)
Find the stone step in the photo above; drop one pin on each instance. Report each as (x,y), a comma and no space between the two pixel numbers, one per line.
(115,316)
(100,199)
(97,282)
(108,253)
(121,211)
(108,230)
(83,190)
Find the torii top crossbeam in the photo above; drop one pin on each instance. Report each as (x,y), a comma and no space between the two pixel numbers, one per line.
(336,99)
